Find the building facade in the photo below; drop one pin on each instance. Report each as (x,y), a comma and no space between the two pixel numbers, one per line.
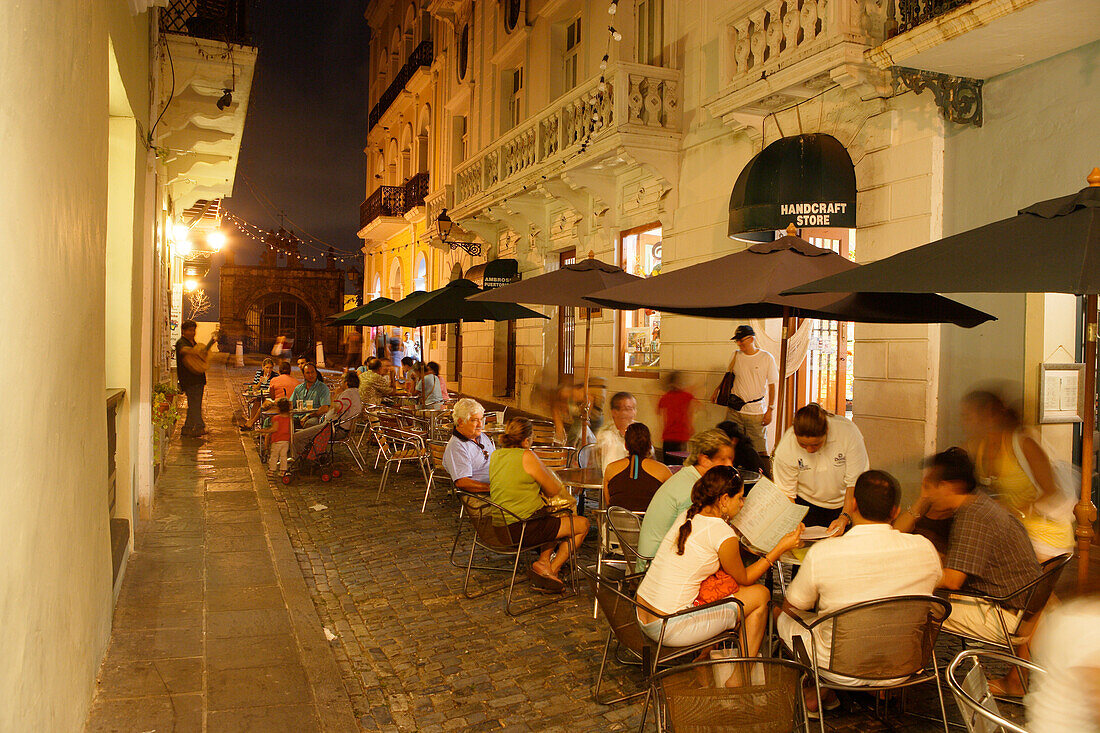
(551,130)
(122,137)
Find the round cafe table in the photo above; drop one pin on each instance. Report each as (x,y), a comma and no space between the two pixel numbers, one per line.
(582,483)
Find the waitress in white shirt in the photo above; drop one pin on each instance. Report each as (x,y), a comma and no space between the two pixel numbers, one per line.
(816,464)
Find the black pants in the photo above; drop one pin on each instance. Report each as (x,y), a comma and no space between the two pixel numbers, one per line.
(818,516)
(669,446)
(193,425)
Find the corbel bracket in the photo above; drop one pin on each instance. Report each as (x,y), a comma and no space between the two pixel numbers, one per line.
(958,97)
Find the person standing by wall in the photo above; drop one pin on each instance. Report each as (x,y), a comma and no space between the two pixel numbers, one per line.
(354,349)
(752,395)
(192,383)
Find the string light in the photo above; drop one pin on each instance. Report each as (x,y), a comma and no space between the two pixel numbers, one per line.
(613,7)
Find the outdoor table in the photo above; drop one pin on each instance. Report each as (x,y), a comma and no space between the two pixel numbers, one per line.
(432,414)
(790,557)
(581,481)
(681,454)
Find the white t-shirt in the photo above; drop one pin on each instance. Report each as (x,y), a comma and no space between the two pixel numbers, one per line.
(672,582)
(1067,646)
(752,375)
(821,478)
(610,444)
(870,561)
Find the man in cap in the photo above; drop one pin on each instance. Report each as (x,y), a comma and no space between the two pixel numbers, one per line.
(753,393)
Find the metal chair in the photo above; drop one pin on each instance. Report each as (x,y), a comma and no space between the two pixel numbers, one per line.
(626,526)
(553,457)
(345,437)
(398,446)
(875,641)
(490,522)
(1031,598)
(976,703)
(542,432)
(584,455)
(620,609)
(685,700)
(436,448)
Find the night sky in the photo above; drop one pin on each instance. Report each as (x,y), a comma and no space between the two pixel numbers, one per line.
(306,127)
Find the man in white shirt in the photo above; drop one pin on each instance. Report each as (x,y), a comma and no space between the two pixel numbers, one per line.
(816,464)
(611,440)
(755,377)
(871,561)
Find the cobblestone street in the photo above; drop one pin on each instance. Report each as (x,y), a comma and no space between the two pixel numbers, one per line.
(415,654)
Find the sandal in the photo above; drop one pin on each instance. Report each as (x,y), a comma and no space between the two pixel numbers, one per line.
(545,583)
(997,689)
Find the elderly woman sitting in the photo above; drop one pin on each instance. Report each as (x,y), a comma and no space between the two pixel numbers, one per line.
(466,457)
(518,481)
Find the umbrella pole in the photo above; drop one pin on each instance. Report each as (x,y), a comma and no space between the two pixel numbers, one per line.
(587,372)
(1085,511)
(779,409)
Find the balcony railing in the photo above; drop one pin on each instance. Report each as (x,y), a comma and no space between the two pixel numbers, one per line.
(638,98)
(421,56)
(416,188)
(394,200)
(385,201)
(912,13)
(215,20)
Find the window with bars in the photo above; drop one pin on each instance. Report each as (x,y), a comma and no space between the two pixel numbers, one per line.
(572,53)
(648,15)
(828,367)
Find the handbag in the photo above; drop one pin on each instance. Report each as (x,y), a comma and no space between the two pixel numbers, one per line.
(724,394)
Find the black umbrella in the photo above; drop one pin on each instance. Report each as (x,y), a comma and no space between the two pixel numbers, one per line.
(565,287)
(749,283)
(1049,247)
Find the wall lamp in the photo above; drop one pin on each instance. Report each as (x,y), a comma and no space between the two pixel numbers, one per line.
(445,225)
(226,99)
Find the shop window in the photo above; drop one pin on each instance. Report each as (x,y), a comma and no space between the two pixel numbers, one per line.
(572,53)
(826,375)
(650,31)
(640,330)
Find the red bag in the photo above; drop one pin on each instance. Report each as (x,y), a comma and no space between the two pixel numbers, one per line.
(716,587)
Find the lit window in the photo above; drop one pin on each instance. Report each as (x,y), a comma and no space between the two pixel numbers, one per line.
(640,330)
(421,282)
(572,53)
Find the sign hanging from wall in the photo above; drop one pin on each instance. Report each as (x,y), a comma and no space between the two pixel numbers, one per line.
(805,180)
(499,273)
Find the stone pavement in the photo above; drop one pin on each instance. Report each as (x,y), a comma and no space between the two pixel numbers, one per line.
(215,622)
(214,629)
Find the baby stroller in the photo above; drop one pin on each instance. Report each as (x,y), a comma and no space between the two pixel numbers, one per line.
(317,457)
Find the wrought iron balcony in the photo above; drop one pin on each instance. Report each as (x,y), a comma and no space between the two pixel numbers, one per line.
(912,13)
(215,20)
(394,201)
(416,189)
(421,57)
(385,201)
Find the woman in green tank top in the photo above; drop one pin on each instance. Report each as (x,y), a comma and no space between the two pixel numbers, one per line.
(518,480)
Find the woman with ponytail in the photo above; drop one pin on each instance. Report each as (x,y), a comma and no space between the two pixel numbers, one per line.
(632,481)
(700,543)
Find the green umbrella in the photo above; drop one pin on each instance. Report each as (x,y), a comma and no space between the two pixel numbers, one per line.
(351,315)
(448,304)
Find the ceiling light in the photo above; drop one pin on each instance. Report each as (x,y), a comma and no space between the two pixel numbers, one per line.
(190,285)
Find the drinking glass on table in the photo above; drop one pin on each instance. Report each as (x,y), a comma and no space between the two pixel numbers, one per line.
(300,404)
(309,404)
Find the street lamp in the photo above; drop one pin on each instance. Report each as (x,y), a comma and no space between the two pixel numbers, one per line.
(216,239)
(190,285)
(444,224)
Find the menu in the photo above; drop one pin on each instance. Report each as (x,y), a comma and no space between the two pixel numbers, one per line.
(767,516)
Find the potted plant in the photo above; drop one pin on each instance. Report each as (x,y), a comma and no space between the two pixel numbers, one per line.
(165,414)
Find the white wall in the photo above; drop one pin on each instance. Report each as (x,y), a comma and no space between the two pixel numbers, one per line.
(1038,142)
(55,582)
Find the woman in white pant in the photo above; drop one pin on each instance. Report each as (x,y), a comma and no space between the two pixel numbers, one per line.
(700,542)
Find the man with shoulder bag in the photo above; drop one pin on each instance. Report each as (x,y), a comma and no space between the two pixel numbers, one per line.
(747,390)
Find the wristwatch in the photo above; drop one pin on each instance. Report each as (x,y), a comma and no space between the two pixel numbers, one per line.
(847,516)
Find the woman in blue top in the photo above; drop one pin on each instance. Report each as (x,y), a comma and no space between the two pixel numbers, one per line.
(428,386)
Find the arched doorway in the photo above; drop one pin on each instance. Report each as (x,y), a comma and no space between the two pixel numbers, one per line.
(279,314)
(396,286)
